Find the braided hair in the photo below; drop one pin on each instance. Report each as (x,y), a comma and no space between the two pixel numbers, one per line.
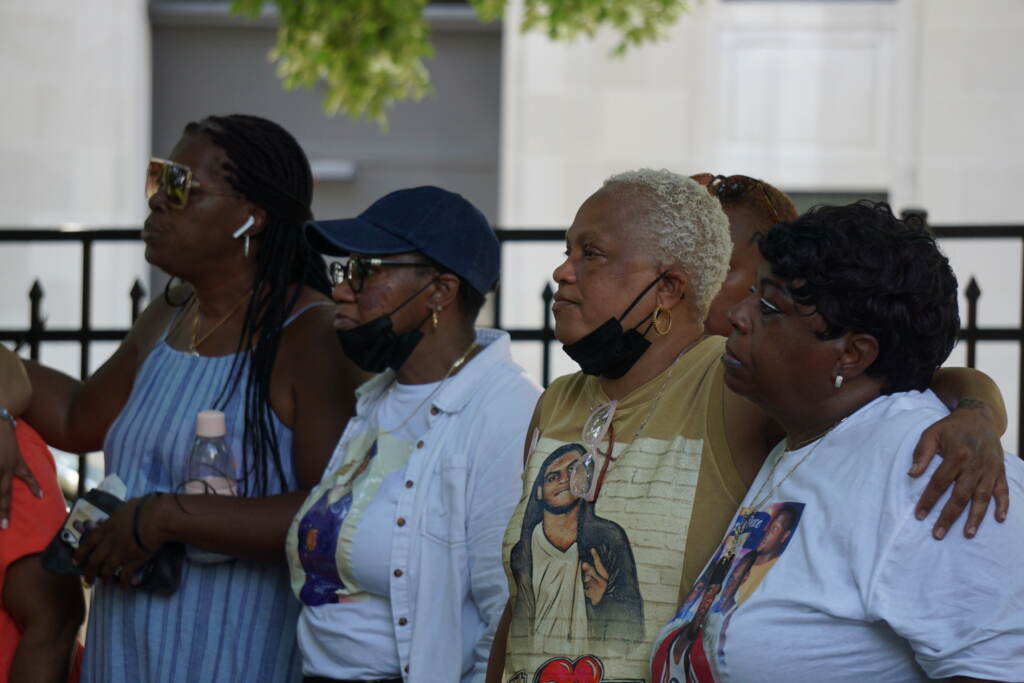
(267,166)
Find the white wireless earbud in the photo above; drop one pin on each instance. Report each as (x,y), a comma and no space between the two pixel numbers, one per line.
(244,230)
(245,226)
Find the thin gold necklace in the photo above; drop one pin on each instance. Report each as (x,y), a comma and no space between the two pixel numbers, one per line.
(451,370)
(747,511)
(814,438)
(194,345)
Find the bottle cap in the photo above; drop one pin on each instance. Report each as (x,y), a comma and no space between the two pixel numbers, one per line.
(210,424)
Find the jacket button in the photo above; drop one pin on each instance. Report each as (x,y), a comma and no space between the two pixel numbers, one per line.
(434,410)
(398,572)
(401,521)
(403,621)
(408,484)
(419,445)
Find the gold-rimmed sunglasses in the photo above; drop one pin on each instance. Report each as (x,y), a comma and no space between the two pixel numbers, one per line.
(356,269)
(175,181)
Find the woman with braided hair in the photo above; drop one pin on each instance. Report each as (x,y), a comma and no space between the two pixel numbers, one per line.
(249,332)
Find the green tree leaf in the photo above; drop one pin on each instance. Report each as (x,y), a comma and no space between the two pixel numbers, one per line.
(369,54)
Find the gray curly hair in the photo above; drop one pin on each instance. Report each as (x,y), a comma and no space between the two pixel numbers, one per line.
(682,225)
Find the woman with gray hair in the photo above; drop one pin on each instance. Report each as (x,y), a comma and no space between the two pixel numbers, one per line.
(635,464)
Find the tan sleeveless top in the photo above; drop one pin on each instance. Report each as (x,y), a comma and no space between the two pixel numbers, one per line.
(592,599)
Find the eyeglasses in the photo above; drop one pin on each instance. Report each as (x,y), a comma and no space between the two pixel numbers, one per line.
(582,482)
(175,181)
(735,187)
(356,269)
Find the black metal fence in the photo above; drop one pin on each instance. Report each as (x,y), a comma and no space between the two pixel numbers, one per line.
(36,332)
(85,334)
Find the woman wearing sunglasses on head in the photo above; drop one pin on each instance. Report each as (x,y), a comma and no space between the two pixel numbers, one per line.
(635,464)
(851,314)
(752,206)
(248,333)
(396,555)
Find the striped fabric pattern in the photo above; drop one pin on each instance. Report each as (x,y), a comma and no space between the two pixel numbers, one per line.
(233,621)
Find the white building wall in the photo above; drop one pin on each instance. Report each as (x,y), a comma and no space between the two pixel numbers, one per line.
(970,136)
(75,138)
(919,99)
(803,93)
(969,157)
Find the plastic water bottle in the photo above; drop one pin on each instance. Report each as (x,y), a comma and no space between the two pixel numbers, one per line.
(209,470)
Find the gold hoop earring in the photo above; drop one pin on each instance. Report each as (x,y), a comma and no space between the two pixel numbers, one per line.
(657,316)
(433,318)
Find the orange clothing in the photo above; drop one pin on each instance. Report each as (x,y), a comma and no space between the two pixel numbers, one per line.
(33,522)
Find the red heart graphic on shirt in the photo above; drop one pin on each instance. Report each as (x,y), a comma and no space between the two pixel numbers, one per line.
(585,669)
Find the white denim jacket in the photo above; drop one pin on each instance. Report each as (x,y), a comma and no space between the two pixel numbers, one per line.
(466,481)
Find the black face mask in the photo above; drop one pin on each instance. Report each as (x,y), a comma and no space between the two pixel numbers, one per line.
(609,351)
(374,346)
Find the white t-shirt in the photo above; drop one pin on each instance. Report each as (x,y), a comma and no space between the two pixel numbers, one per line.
(846,585)
(355,639)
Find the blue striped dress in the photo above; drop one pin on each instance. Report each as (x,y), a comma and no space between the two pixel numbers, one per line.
(233,621)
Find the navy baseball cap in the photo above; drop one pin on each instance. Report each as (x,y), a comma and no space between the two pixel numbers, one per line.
(439,224)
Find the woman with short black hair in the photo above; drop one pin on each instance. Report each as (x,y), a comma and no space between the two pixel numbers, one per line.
(752,206)
(852,313)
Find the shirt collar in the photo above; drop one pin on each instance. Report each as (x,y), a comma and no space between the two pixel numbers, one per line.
(458,389)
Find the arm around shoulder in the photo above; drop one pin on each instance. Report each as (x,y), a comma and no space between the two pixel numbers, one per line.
(968,441)
(971,389)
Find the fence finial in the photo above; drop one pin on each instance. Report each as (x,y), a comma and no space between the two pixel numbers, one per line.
(137,293)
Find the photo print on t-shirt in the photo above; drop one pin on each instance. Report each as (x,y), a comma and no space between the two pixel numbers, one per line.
(333,509)
(586,577)
(691,646)
(318,531)
(575,570)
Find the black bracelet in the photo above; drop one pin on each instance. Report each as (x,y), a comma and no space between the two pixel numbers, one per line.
(135,522)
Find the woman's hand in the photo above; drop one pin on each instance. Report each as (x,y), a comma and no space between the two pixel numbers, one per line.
(12,465)
(112,552)
(968,441)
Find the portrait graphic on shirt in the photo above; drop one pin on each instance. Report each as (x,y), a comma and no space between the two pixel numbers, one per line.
(594,581)
(691,647)
(331,511)
(575,572)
